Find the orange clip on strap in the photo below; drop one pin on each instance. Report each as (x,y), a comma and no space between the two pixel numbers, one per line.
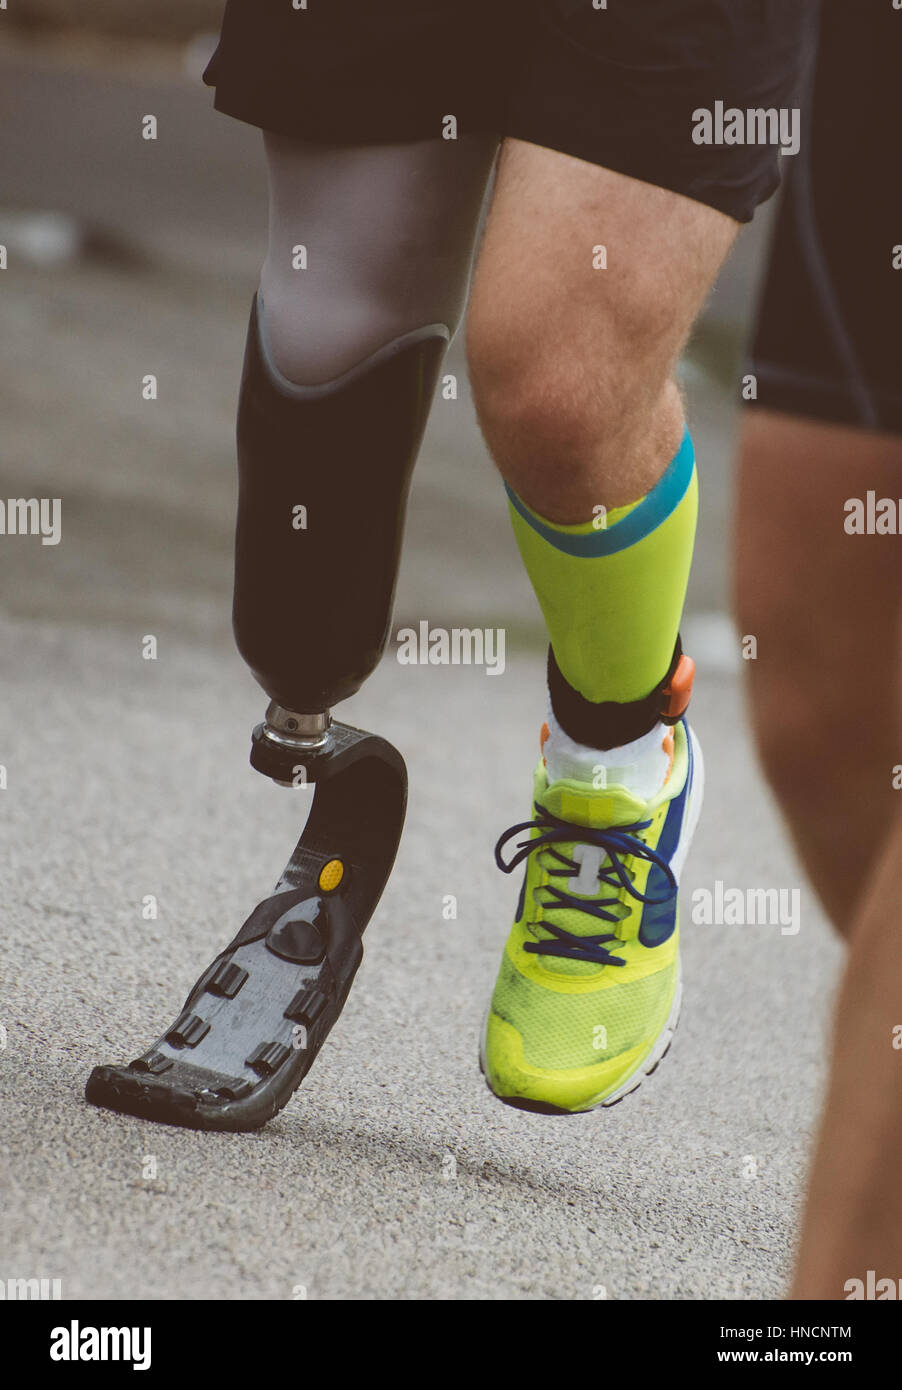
(676,693)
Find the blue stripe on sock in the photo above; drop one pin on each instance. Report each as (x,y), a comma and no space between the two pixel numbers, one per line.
(655,508)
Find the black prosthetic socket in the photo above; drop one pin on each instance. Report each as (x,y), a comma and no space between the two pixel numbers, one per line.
(607,724)
(313,601)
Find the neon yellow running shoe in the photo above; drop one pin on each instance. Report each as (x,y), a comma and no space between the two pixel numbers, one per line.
(588,995)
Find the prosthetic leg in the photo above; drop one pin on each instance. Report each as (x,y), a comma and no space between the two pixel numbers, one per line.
(324,472)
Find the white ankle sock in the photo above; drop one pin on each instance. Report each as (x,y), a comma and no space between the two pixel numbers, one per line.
(641,766)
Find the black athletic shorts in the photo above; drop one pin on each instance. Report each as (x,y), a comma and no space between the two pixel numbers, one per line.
(828,342)
(618,85)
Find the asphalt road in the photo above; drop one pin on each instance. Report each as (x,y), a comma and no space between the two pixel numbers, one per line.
(393,1173)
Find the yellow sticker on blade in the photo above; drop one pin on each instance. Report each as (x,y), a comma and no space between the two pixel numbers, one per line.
(331,875)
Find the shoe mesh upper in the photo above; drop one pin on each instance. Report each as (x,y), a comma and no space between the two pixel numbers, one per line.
(561,1030)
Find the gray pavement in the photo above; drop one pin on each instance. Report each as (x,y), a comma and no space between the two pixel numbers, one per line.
(393,1173)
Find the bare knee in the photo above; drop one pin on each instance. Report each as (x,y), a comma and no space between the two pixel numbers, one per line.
(587,285)
(576,400)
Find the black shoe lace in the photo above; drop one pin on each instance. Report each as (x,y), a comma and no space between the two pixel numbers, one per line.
(619,842)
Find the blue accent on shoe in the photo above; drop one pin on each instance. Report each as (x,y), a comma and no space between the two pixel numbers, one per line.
(659,918)
(655,508)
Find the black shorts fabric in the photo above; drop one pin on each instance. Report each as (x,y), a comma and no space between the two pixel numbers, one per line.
(828,342)
(617,86)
